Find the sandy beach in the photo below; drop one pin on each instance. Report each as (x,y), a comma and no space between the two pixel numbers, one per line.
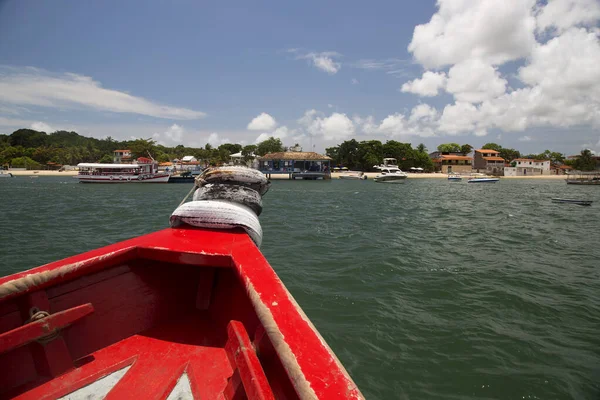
(335,175)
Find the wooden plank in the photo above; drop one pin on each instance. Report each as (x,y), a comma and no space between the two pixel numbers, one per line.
(36,330)
(87,280)
(241,355)
(205,287)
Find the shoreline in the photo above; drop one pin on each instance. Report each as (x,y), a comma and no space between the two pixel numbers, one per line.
(334,175)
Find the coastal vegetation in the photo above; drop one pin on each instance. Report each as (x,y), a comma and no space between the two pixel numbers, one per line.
(31,149)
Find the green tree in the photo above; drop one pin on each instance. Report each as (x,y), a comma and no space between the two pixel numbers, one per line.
(271,145)
(106,159)
(466,149)
(509,154)
(492,146)
(231,148)
(370,153)
(449,148)
(25,162)
(141,147)
(585,161)
(163,157)
(421,148)
(27,138)
(249,152)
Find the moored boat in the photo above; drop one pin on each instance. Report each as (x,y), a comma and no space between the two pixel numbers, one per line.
(5,174)
(584,178)
(389,172)
(192,311)
(353,175)
(454,177)
(573,201)
(481,178)
(144,170)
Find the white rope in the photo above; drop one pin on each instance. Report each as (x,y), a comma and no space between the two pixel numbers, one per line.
(218,214)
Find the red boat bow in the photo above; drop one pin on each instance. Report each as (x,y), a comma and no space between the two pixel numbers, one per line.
(180,309)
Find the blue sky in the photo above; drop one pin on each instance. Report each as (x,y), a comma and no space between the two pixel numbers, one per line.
(310,72)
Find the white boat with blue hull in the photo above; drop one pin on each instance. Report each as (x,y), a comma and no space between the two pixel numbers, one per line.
(482,178)
(454,177)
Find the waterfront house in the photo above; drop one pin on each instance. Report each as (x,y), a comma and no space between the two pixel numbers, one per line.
(453,163)
(189,159)
(488,161)
(122,157)
(296,164)
(527,167)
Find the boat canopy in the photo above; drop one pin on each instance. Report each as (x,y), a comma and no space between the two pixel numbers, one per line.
(112,166)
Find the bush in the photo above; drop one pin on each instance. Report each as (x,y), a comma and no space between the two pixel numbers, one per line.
(25,162)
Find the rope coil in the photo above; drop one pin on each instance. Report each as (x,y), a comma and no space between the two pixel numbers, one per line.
(35,315)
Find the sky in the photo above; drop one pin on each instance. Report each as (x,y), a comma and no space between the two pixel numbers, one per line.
(521,73)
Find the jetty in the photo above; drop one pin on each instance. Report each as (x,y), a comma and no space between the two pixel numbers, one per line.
(296,164)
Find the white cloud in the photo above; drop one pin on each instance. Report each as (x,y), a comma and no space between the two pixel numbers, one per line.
(31,86)
(525,139)
(459,118)
(280,133)
(263,122)
(559,78)
(393,124)
(423,112)
(354,81)
(428,85)
(474,81)
(564,14)
(173,136)
(215,140)
(42,127)
(325,61)
(366,125)
(335,127)
(491,30)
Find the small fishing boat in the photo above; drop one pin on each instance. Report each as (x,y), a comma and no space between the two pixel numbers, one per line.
(584,178)
(353,175)
(481,178)
(190,312)
(574,201)
(454,177)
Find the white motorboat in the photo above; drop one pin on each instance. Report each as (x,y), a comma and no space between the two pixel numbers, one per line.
(354,175)
(454,177)
(5,174)
(389,172)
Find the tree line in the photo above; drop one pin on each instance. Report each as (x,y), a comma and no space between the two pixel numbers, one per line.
(28,148)
(366,154)
(33,149)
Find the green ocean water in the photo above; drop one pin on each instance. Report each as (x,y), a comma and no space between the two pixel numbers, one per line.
(427,290)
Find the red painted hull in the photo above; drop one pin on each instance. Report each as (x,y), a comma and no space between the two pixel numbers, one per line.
(156,313)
